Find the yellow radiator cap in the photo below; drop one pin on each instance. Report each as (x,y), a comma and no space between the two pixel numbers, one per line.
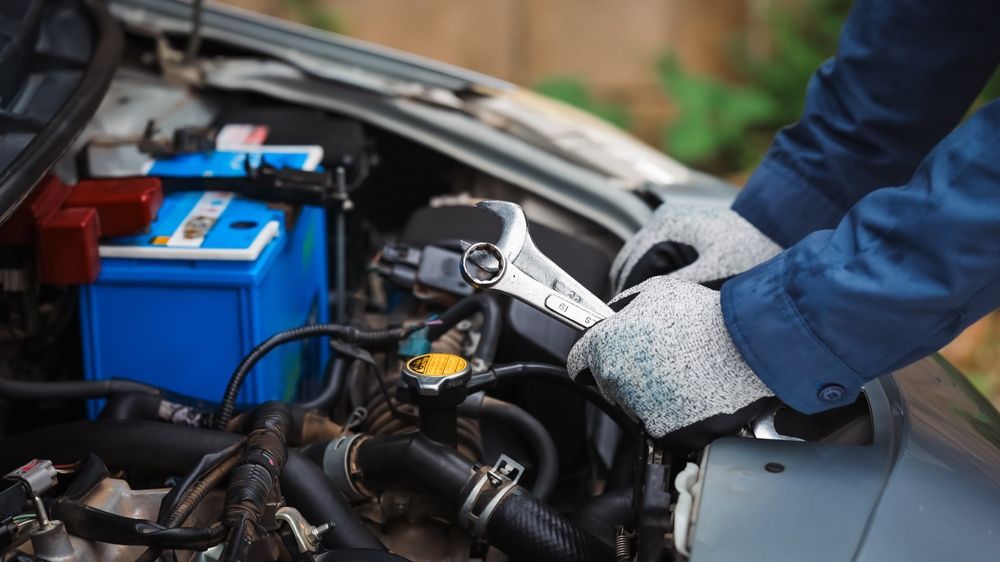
(433,373)
(437,365)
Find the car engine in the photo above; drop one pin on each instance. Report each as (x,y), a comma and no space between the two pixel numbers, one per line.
(164,428)
(235,328)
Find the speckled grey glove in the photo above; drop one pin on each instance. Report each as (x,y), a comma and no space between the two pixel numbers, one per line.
(717,243)
(666,359)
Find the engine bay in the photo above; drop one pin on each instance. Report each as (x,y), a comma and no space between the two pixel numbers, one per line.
(236,329)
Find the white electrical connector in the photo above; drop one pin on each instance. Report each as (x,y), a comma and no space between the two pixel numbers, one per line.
(688,484)
(38,475)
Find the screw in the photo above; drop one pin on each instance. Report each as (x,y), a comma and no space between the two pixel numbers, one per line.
(318,532)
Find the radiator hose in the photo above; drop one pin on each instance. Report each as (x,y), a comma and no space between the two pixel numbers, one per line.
(521,526)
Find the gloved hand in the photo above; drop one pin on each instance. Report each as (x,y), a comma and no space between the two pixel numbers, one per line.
(701,245)
(666,358)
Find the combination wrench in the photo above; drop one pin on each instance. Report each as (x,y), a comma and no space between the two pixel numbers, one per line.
(516,267)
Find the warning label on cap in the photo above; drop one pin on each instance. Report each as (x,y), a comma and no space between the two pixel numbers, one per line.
(437,365)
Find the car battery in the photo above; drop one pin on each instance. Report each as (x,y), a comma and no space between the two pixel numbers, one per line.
(180,305)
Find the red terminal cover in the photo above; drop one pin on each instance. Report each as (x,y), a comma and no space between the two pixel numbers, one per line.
(44,201)
(64,223)
(125,206)
(67,247)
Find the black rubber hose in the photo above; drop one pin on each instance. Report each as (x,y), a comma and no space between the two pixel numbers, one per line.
(417,463)
(528,529)
(522,527)
(132,406)
(335,375)
(522,372)
(484,304)
(542,445)
(165,449)
(603,514)
(335,331)
(70,390)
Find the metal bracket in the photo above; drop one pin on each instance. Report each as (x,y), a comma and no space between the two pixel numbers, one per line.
(495,483)
(307,537)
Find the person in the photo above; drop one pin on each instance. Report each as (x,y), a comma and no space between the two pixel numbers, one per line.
(868,237)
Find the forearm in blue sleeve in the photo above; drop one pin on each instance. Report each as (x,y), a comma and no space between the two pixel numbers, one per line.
(904,75)
(905,271)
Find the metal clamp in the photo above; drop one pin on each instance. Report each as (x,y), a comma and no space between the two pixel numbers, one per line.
(307,537)
(337,466)
(495,483)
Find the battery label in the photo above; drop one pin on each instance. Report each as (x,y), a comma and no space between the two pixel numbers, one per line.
(202,217)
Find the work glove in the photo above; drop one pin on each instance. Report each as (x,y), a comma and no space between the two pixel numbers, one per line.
(666,358)
(705,246)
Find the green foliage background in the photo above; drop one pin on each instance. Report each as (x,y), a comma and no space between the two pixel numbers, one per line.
(726,126)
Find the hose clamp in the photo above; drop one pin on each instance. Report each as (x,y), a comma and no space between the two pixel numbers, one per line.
(337,466)
(489,490)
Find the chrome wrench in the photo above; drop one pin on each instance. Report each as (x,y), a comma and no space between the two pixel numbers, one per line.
(514,266)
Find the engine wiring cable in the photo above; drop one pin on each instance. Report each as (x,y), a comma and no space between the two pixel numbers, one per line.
(185,497)
(384,390)
(161,449)
(254,480)
(347,334)
(207,464)
(500,375)
(25,518)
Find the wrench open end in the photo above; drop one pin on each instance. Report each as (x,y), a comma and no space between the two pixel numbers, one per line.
(515,267)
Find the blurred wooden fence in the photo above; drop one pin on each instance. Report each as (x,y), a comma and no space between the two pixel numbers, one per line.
(611,45)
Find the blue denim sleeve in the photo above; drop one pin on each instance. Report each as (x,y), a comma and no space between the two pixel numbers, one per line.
(903,273)
(904,75)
